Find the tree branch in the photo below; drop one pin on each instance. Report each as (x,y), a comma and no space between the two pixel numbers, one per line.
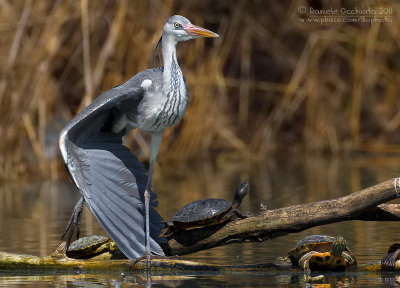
(269,224)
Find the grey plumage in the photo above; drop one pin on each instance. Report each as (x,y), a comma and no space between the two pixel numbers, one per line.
(106,172)
(115,181)
(110,178)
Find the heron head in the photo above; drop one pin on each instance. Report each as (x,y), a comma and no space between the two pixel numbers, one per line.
(181,29)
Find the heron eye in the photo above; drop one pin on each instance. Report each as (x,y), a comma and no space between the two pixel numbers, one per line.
(177,25)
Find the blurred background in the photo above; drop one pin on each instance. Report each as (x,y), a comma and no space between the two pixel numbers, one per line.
(268,85)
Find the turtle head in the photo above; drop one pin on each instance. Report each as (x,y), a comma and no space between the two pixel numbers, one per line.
(241,191)
(338,246)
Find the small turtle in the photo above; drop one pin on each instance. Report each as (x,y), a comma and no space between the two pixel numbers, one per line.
(322,253)
(389,261)
(90,246)
(208,212)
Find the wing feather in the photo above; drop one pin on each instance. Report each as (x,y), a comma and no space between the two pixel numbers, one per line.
(108,175)
(114,183)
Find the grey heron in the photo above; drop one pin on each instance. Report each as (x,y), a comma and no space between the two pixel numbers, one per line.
(112,182)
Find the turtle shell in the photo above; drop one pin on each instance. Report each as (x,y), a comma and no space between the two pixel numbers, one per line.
(87,247)
(324,259)
(202,212)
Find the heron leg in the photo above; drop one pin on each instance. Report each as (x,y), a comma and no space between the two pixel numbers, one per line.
(147,208)
(74,221)
(156,138)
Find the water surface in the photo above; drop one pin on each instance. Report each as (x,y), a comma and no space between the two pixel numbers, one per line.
(34,215)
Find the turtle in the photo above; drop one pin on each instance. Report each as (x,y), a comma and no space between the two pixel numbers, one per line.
(389,261)
(322,253)
(208,212)
(90,246)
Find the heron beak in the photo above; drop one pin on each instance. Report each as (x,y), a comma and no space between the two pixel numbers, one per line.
(194,30)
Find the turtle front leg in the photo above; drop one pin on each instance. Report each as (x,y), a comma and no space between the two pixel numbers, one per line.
(60,251)
(349,258)
(239,214)
(389,262)
(304,262)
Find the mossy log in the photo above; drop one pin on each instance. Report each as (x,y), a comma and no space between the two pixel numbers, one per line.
(267,224)
(16,262)
(11,261)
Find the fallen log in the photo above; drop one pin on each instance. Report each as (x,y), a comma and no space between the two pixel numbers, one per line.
(269,224)
(11,261)
(16,262)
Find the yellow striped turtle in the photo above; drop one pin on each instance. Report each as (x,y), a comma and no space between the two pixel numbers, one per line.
(322,253)
(89,246)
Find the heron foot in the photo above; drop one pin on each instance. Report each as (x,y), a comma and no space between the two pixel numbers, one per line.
(74,222)
(152,257)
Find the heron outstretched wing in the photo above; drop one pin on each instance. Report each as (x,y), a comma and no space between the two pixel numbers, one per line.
(108,175)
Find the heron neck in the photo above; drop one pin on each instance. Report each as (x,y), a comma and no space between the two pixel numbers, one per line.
(171,68)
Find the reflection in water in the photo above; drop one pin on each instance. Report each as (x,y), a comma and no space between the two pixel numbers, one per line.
(392,280)
(33,215)
(199,279)
(329,280)
(75,280)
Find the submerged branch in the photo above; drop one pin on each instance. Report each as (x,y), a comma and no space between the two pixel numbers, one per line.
(269,224)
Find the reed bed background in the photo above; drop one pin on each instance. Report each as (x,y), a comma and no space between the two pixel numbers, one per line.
(269,84)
